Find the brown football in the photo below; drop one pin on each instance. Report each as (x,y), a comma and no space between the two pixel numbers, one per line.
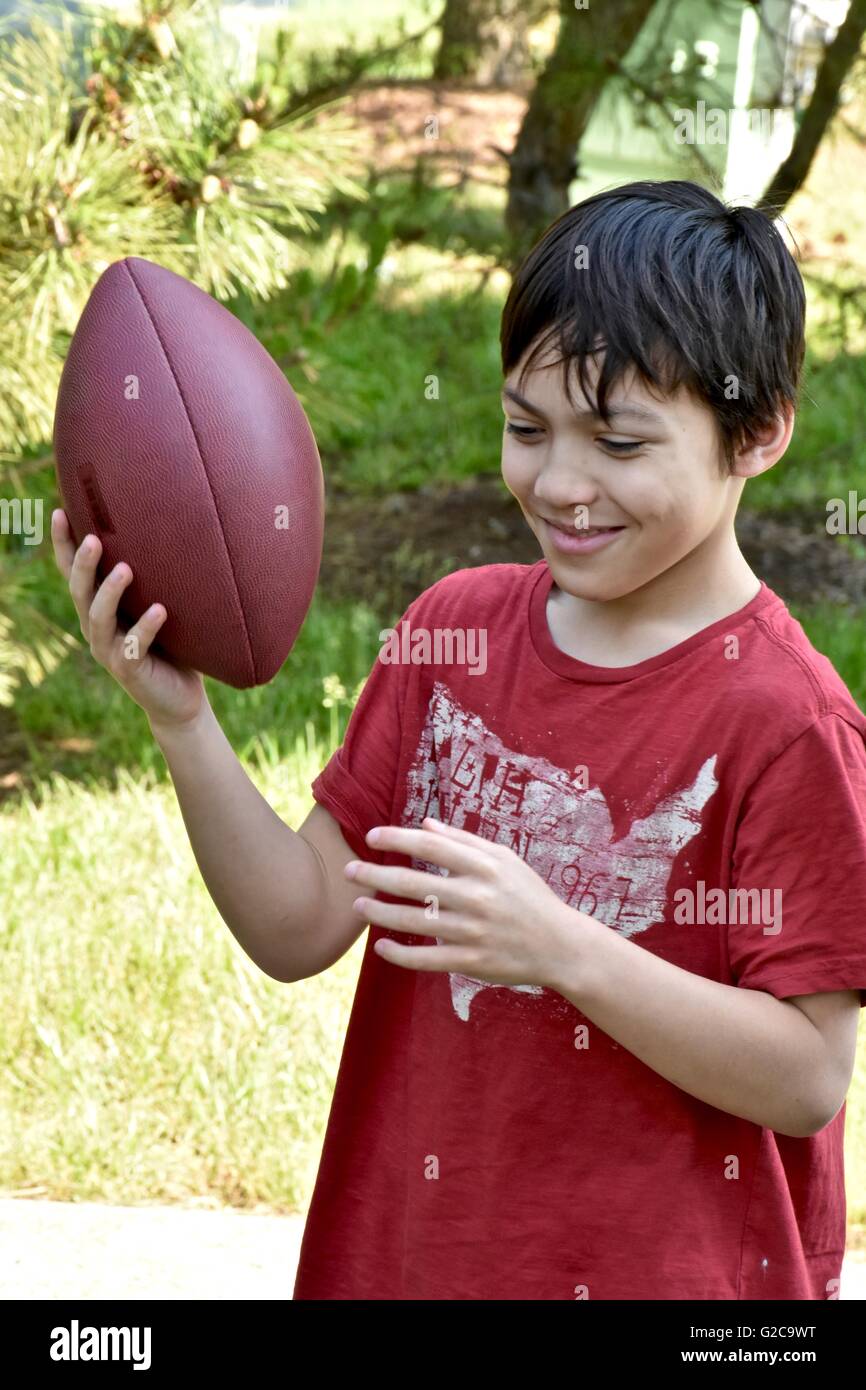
(180,443)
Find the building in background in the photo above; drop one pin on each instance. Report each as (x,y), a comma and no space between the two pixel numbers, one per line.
(756,66)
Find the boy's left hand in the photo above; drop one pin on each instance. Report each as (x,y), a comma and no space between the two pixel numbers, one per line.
(496,917)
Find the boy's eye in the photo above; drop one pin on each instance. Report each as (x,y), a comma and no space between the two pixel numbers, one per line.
(620,446)
(522,431)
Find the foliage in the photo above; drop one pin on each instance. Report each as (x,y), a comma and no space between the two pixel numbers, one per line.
(141,137)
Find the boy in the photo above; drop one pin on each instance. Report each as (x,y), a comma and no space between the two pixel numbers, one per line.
(616,879)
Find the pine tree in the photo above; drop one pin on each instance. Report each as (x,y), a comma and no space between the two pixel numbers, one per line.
(141,135)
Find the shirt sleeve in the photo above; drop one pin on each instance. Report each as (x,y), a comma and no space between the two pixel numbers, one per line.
(357,784)
(802,837)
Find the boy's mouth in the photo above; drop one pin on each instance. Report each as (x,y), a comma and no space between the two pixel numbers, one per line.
(576,540)
(570,529)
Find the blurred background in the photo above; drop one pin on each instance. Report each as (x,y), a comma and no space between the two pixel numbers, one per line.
(356,181)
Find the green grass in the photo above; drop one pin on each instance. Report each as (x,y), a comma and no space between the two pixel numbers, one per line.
(323,25)
(144,1057)
(827,453)
(838,633)
(415,372)
(80,702)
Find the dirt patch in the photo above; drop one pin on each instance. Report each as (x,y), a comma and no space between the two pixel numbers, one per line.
(466,132)
(386,550)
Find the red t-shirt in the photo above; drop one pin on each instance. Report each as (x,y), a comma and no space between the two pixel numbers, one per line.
(473,1149)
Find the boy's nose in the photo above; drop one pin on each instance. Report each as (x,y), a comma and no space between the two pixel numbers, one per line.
(565,483)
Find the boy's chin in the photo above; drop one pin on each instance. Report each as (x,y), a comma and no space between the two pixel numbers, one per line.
(581,582)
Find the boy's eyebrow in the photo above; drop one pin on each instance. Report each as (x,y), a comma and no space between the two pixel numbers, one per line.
(637,412)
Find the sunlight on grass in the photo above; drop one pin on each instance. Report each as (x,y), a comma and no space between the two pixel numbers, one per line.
(320,26)
(144,1056)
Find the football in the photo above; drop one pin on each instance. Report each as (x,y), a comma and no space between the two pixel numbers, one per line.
(180,443)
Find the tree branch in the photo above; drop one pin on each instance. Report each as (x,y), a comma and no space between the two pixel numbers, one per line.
(838,59)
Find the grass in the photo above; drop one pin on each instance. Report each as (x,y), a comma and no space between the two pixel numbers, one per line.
(80,722)
(828,449)
(145,1058)
(320,25)
(838,633)
(416,373)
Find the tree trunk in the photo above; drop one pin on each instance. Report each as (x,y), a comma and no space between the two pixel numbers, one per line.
(465,25)
(487,41)
(590,45)
(842,52)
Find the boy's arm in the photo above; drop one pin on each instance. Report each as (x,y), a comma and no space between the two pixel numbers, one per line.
(785,1064)
(282,893)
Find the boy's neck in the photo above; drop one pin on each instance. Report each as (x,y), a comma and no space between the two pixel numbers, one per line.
(701,589)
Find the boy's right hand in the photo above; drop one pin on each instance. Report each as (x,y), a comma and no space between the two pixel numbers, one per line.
(170,695)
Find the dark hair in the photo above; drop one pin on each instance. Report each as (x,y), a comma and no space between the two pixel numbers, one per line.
(686,290)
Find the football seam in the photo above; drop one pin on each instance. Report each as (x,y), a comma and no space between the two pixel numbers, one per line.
(140,293)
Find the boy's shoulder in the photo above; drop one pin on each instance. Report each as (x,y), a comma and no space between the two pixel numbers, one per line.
(788,679)
(475,594)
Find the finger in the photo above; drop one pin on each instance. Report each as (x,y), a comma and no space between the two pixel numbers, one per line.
(82,578)
(412,920)
(456,891)
(390,878)
(429,958)
(430,846)
(102,616)
(137,641)
(62,541)
(453,832)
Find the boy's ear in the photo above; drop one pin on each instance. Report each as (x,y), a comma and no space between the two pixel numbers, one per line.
(767,447)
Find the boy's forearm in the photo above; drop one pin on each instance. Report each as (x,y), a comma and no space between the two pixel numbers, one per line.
(257,870)
(740,1050)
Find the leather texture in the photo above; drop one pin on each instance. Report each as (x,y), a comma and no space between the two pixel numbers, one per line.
(180,443)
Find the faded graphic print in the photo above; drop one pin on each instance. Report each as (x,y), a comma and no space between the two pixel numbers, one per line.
(462,773)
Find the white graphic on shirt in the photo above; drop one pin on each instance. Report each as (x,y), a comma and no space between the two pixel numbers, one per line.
(563,830)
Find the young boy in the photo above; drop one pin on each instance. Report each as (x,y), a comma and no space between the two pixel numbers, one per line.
(615,871)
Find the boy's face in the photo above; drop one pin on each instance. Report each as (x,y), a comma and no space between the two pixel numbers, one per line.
(645,493)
